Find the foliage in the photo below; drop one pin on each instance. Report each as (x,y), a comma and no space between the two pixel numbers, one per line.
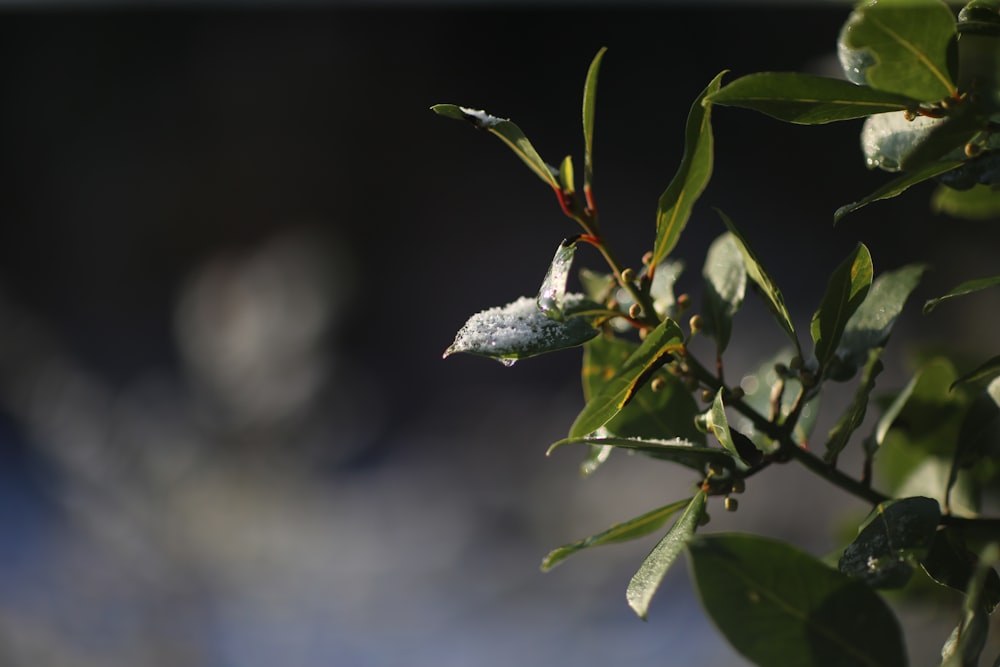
(927,84)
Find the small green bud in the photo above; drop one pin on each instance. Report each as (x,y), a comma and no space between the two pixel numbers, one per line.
(707,396)
(736,393)
(972,150)
(658,384)
(796,363)
(635,311)
(628,275)
(731,504)
(701,422)
(697,323)
(739,486)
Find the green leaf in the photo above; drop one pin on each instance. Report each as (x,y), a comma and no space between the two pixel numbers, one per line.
(647,579)
(848,285)
(620,532)
(589,105)
(676,450)
(968,287)
(897,186)
(638,368)
(807,99)
(661,290)
(891,541)
(719,425)
(756,272)
(903,47)
(780,606)
(966,643)
(517,331)
(982,373)
(725,287)
(567,179)
(840,435)
(950,563)
(692,176)
(508,132)
(552,294)
(872,323)
(981,202)
(666,412)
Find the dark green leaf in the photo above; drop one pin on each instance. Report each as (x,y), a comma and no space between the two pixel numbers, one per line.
(780,606)
(979,434)
(508,132)
(872,323)
(552,294)
(840,435)
(647,579)
(667,412)
(897,186)
(892,540)
(756,272)
(725,286)
(654,351)
(849,284)
(905,45)
(808,99)
(517,331)
(966,643)
(967,287)
(982,373)
(620,532)
(950,563)
(981,202)
(589,105)
(676,450)
(692,176)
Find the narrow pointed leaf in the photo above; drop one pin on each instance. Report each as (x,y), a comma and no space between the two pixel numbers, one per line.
(807,99)
(566,176)
(901,46)
(676,450)
(692,176)
(633,529)
(759,275)
(846,290)
(981,202)
(517,331)
(967,287)
(849,422)
(589,106)
(718,423)
(638,368)
(872,323)
(968,640)
(552,294)
(897,186)
(647,579)
(725,286)
(893,539)
(508,132)
(986,371)
(751,586)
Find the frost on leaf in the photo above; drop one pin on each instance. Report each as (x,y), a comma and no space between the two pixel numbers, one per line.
(520,330)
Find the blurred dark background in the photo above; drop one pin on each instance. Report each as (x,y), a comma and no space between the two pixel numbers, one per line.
(233,246)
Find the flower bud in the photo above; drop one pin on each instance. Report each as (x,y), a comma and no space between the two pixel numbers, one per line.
(696,323)
(635,311)
(731,504)
(628,275)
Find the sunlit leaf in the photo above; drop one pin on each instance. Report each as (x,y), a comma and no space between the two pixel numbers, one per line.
(897,186)
(647,579)
(981,202)
(756,272)
(620,532)
(567,178)
(517,331)
(589,105)
(900,46)
(754,587)
(891,542)
(552,294)
(676,450)
(508,132)
(654,351)
(872,323)
(968,287)
(807,99)
(849,422)
(848,285)
(725,285)
(692,176)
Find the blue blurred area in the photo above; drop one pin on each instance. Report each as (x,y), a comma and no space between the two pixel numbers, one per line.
(234,246)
